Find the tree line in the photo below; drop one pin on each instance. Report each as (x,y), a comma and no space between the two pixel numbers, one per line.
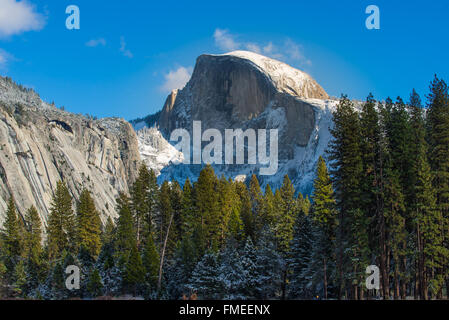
(382,199)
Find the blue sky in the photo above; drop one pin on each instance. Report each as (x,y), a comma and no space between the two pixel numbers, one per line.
(127,55)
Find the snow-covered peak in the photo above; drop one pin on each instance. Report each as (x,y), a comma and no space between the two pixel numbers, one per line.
(284,77)
(13,94)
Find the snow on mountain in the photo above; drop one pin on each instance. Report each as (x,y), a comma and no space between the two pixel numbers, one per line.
(156,152)
(248,91)
(284,77)
(41,144)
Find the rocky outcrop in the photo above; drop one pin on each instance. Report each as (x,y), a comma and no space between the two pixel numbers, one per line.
(40,145)
(226,91)
(242,90)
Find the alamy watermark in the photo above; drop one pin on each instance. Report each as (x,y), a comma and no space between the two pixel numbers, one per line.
(373,280)
(256,146)
(73,280)
(373,20)
(73,20)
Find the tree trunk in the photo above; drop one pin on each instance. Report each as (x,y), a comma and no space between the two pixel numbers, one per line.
(159,281)
(325,278)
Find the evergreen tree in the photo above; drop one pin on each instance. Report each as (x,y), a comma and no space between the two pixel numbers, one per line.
(246,213)
(269,265)
(20,277)
(429,231)
(324,216)
(188,212)
(125,237)
(134,272)
(151,262)
(204,280)
(107,235)
(12,236)
(139,201)
(438,139)
(33,236)
(206,207)
(347,171)
(33,249)
(89,224)
(256,197)
(300,259)
(231,273)
(94,286)
(61,229)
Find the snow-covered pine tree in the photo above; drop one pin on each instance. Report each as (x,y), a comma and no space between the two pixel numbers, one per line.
(300,284)
(204,280)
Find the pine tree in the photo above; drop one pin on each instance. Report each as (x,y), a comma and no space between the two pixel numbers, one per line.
(108,231)
(188,212)
(94,286)
(33,248)
(286,213)
(257,198)
(89,224)
(180,269)
(151,262)
(438,139)
(12,236)
(248,261)
(206,207)
(395,222)
(152,202)
(324,216)
(246,213)
(134,272)
(347,171)
(20,277)
(33,237)
(300,259)
(267,211)
(269,265)
(204,280)
(225,207)
(418,147)
(428,219)
(235,225)
(139,201)
(231,273)
(61,223)
(125,237)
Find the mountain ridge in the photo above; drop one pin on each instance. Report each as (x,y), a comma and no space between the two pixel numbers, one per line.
(247,90)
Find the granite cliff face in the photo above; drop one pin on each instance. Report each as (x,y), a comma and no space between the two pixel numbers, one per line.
(242,90)
(227,91)
(40,145)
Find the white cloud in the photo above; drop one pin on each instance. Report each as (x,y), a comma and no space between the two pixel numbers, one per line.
(123,49)
(253,47)
(5,58)
(19,16)
(176,79)
(96,42)
(296,52)
(225,41)
(287,51)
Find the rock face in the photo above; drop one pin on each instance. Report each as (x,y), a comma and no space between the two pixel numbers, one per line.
(228,90)
(242,90)
(40,145)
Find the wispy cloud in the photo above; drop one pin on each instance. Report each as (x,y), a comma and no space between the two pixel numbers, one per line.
(176,79)
(286,50)
(96,42)
(17,17)
(225,41)
(5,58)
(123,50)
